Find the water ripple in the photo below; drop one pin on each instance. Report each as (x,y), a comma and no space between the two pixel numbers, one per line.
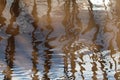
(59,40)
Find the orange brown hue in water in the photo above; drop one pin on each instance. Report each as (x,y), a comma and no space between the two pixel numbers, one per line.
(59,39)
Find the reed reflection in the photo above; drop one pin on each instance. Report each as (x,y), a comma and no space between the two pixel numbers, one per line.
(12,30)
(2,7)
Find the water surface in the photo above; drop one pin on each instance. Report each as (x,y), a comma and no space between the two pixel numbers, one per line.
(59,40)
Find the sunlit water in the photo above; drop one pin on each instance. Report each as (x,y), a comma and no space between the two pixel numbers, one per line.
(59,39)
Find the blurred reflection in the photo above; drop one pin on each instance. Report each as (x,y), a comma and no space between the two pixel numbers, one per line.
(34,43)
(10,52)
(87,31)
(92,25)
(72,26)
(48,54)
(94,69)
(117,23)
(2,7)
(13,31)
(12,27)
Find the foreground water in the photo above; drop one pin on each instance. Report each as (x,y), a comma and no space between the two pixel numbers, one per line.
(59,40)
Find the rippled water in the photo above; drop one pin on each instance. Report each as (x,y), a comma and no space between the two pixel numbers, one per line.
(59,40)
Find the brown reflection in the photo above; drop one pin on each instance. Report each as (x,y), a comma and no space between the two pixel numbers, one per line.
(102,62)
(117,62)
(74,29)
(117,75)
(10,50)
(13,31)
(72,25)
(2,6)
(82,69)
(12,27)
(35,43)
(94,69)
(71,21)
(117,22)
(92,24)
(48,53)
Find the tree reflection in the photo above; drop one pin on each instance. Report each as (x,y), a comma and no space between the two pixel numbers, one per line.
(90,44)
(72,26)
(48,53)
(13,31)
(2,6)
(10,50)
(34,43)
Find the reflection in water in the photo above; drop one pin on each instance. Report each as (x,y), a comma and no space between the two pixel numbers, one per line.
(72,26)
(10,48)
(2,6)
(10,52)
(47,62)
(60,39)
(34,43)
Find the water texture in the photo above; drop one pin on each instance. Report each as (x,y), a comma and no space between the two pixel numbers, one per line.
(59,39)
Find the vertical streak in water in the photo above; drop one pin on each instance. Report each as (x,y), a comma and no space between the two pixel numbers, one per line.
(117,61)
(34,43)
(65,21)
(73,65)
(12,29)
(102,62)
(94,69)
(82,69)
(67,15)
(14,10)
(118,22)
(92,22)
(48,53)
(74,18)
(72,26)
(10,49)
(2,6)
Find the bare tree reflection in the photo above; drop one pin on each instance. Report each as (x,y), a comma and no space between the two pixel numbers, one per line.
(103,34)
(48,53)
(117,22)
(2,6)
(34,43)
(10,50)
(13,31)
(72,26)
(94,69)
(117,7)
